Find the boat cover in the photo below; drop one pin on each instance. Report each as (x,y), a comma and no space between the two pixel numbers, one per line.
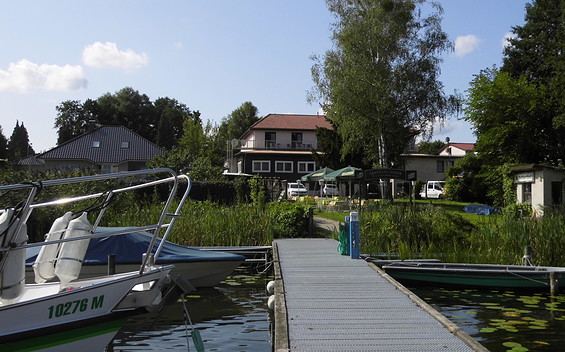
(129,248)
(481,209)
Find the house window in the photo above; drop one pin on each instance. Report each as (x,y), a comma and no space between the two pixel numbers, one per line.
(526,193)
(306,166)
(125,145)
(440,166)
(107,168)
(283,166)
(95,144)
(270,140)
(261,166)
(296,140)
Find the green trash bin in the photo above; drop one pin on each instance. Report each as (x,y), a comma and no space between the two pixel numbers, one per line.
(343,238)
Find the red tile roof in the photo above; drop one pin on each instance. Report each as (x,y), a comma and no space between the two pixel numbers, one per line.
(462,146)
(291,122)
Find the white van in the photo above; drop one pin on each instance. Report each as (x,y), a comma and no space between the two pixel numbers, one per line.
(433,189)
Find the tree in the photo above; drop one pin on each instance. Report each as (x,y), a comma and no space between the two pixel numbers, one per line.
(536,52)
(72,119)
(160,122)
(430,147)
(511,118)
(239,121)
(129,108)
(18,145)
(194,152)
(380,83)
(3,145)
(329,155)
(172,115)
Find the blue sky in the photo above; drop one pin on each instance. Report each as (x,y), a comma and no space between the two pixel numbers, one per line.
(210,55)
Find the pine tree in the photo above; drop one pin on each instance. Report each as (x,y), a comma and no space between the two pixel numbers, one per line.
(3,145)
(19,146)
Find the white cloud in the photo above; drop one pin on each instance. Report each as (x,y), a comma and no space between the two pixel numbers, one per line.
(24,76)
(104,55)
(466,44)
(178,45)
(505,42)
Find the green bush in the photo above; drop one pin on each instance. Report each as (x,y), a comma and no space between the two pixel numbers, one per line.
(291,219)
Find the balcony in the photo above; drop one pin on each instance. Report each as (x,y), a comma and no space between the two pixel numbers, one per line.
(274,145)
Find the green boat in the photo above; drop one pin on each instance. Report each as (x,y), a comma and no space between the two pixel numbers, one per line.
(489,276)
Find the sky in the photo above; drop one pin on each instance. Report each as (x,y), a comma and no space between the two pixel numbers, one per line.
(210,55)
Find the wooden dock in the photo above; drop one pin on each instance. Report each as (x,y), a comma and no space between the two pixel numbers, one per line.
(328,302)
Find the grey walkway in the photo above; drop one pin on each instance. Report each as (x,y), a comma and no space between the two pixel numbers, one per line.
(334,303)
(326,225)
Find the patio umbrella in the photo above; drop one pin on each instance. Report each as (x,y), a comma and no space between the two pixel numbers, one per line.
(316,175)
(347,174)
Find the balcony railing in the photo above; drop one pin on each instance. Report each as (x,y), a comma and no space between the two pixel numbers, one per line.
(274,145)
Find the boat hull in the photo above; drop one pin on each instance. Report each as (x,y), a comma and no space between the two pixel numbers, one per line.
(84,300)
(477,276)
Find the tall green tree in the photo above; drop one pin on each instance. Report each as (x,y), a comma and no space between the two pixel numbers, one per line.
(536,52)
(238,121)
(512,119)
(381,81)
(430,147)
(131,109)
(19,146)
(172,115)
(72,119)
(3,145)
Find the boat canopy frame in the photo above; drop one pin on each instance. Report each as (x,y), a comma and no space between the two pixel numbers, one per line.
(28,205)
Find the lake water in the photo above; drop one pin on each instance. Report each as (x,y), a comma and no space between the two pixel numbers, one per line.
(503,320)
(230,317)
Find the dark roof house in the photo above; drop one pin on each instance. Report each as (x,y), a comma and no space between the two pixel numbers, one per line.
(107,148)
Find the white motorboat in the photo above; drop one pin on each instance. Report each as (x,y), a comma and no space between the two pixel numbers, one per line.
(46,307)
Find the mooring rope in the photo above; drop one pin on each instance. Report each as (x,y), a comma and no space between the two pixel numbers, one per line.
(527,278)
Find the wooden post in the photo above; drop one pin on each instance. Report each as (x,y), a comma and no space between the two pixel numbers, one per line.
(553,283)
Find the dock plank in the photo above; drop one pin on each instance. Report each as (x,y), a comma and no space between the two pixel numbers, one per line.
(335,303)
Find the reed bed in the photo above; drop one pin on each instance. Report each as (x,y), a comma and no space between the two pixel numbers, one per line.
(433,232)
(210,224)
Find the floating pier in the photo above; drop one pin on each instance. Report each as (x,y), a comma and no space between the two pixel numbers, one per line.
(328,302)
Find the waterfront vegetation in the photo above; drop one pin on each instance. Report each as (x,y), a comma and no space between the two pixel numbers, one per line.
(447,233)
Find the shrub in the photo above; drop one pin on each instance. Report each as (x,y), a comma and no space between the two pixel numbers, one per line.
(291,219)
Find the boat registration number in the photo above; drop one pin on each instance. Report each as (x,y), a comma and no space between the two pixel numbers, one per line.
(73,307)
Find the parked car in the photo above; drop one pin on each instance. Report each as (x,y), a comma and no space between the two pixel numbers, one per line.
(433,189)
(330,190)
(296,189)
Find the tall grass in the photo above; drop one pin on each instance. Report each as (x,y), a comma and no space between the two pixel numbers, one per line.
(436,233)
(210,224)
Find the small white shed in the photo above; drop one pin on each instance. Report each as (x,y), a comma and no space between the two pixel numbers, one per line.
(541,186)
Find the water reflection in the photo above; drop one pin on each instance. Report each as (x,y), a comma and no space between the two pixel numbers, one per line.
(503,320)
(230,317)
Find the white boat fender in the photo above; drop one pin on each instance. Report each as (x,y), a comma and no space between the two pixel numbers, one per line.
(71,254)
(271,287)
(271,302)
(12,277)
(44,266)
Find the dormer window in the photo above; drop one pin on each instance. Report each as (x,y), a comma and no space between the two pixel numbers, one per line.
(125,145)
(96,144)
